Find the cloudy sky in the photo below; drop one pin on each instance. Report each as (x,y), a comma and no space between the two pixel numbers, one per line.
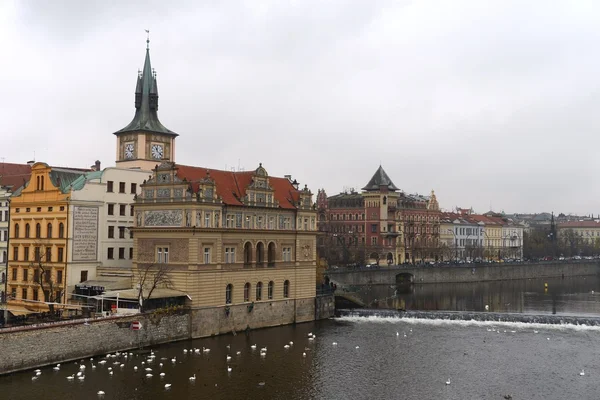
(489,103)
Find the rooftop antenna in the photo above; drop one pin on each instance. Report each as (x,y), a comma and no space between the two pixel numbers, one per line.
(147,39)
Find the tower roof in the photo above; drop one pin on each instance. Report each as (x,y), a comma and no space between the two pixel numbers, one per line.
(146,103)
(380,178)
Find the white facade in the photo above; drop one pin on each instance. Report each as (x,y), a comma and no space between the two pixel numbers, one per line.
(4,217)
(100,218)
(512,241)
(468,239)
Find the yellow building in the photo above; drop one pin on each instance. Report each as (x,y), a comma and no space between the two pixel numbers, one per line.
(38,237)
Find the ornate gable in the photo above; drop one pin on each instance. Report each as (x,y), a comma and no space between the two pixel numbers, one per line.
(259,192)
(164,185)
(207,190)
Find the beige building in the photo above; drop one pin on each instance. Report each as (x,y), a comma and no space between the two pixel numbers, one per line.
(228,240)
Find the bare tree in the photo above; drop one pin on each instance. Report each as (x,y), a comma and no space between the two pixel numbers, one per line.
(150,277)
(42,275)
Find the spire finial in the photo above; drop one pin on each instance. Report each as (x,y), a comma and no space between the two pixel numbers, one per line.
(147,39)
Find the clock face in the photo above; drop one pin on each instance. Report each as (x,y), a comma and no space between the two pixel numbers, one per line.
(157,151)
(129,150)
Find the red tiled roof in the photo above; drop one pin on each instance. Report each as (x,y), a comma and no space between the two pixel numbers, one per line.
(579,224)
(231,186)
(14,176)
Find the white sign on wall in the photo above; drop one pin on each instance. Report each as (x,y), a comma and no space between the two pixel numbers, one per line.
(85,233)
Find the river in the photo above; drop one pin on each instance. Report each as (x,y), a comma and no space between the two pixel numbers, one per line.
(373,358)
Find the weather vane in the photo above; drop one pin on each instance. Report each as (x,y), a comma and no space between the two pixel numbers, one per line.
(147,38)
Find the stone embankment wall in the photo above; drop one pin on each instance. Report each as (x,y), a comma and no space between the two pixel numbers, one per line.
(32,347)
(451,274)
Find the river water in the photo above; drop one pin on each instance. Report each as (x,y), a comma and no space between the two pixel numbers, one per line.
(373,358)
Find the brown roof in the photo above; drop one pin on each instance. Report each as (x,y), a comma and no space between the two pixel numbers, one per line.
(579,224)
(231,186)
(14,176)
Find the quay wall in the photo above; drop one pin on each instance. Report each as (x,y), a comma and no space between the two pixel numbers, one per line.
(471,273)
(37,346)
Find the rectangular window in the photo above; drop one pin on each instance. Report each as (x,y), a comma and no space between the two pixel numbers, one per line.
(162,255)
(133,188)
(121,232)
(111,209)
(60,254)
(109,186)
(287,254)
(207,219)
(373,228)
(111,232)
(59,276)
(35,295)
(37,253)
(121,187)
(62,208)
(36,275)
(130,234)
(27,209)
(131,253)
(374,240)
(49,209)
(39,209)
(25,275)
(229,255)
(48,254)
(24,294)
(121,253)
(230,221)
(26,253)
(110,253)
(259,222)
(122,209)
(15,253)
(84,276)
(207,255)
(47,276)
(131,210)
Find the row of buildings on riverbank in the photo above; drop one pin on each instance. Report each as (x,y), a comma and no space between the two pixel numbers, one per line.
(150,233)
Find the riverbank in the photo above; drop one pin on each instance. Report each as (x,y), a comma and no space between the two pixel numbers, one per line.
(459,274)
(37,346)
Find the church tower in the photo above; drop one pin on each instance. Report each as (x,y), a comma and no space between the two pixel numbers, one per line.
(145,142)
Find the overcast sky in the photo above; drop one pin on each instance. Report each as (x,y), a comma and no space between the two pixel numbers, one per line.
(489,103)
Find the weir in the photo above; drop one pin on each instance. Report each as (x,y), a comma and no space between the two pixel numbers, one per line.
(472,316)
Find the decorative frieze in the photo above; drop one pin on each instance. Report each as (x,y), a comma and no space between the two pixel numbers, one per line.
(163,218)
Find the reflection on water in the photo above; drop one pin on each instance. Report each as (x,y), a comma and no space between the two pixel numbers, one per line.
(569,296)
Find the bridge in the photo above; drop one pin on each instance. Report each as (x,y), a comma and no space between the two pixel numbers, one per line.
(394,275)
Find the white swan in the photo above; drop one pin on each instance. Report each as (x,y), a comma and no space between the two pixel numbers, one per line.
(448,381)
(100,393)
(71,377)
(334,343)
(287,346)
(162,374)
(167,385)
(193,378)
(228,358)
(357,347)
(253,347)
(291,343)
(582,373)
(148,375)
(303,354)
(228,369)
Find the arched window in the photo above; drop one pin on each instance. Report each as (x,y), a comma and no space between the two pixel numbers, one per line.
(259,291)
(247,291)
(271,255)
(49,231)
(27,230)
(260,254)
(228,293)
(61,230)
(270,290)
(247,254)
(286,289)
(38,231)
(384,200)
(16,230)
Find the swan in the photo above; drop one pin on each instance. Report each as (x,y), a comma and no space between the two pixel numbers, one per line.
(109,368)
(535,331)
(82,377)
(93,366)
(148,375)
(357,347)
(238,353)
(122,365)
(82,367)
(228,358)
(148,370)
(253,347)
(184,351)
(56,368)
(205,350)
(303,354)
(487,308)
(228,369)
(33,378)
(291,343)
(582,373)
(193,378)
(397,333)
(309,334)
(264,349)
(79,373)
(167,385)
(135,368)
(37,370)
(110,372)
(102,362)
(162,374)
(334,343)
(100,393)
(448,381)
(160,365)
(311,338)
(173,360)
(287,346)
(71,377)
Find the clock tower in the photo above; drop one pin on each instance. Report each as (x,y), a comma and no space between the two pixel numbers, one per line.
(145,142)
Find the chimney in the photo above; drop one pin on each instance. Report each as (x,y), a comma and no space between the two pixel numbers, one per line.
(288,177)
(30,163)
(97,165)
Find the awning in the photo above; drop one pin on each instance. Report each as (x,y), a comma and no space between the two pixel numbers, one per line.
(18,311)
(105,283)
(132,294)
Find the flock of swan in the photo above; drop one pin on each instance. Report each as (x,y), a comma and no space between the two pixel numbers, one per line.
(118,359)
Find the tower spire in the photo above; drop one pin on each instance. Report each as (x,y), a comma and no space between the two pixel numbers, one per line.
(146,100)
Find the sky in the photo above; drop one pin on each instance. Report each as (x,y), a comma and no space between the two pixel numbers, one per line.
(492,104)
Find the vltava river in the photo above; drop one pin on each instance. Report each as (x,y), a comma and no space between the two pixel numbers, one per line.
(373,358)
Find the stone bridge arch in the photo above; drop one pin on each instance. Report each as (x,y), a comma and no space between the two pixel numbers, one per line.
(405,278)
